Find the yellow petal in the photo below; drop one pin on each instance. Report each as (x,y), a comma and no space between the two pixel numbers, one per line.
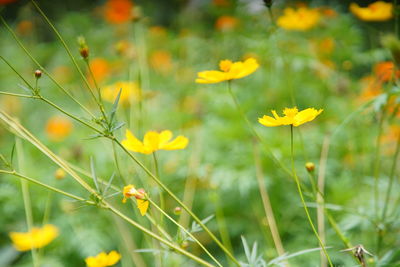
(151,141)
(306,115)
(142,205)
(211,76)
(132,143)
(242,69)
(180,142)
(269,121)
(113,258)
(164,136)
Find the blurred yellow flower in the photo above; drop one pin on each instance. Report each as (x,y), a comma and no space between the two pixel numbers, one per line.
(229,71)
(377,11)
(58,128)
(154,141)
(292,117)
(140,195)
(35,238)
(301,19)
(130,91)
(103,259)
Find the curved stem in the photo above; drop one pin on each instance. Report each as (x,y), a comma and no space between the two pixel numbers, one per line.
(303,201)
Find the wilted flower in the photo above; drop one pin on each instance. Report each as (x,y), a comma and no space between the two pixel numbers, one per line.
(292,117)
(35,238)
(58,128)
(300,19)
(118,11)
(130,90)
(377,11)
(103,259)
(154,141)
(229,71)
(141,197)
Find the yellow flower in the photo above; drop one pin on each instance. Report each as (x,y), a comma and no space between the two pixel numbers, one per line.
(35,238)
(292,117)
(229,71)
(154,141)
(140,195)
(130,90)
(377,11)
(301,19)
(103,259)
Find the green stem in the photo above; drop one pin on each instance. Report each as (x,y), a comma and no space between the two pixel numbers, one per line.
(160,193)
(183,229)
(169,192)
(19,95)
(42,68)
(254,132)
(302,198)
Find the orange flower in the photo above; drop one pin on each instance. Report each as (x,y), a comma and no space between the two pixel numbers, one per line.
(226,23)
(161,61)
(377,11)
(384,71)
(100,69)
(25,27)
(58,128)
(118,11)
(5,2)
(371,87)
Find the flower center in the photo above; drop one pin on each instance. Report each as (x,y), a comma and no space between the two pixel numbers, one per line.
(225,65)
(290,112)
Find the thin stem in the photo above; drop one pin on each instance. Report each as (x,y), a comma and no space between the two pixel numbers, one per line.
(18,95)
(42,68)
(160,193)
(302,198)
(183,229)
(253,130)
(169,192)
(391,178)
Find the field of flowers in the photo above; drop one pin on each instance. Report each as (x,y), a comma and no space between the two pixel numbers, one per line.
(199,133)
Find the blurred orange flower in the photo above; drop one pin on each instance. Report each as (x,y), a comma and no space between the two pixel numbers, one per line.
(4,2)
(226,23)
(221,3)
(158,31)
(384,71)
(25,27)
(377,11)
(100,69)
(371,87)
(118,11)
(35,238)
(161,61)
(58,128)
(301,19)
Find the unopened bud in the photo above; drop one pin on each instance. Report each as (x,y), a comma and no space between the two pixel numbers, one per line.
(392,43)
(83,47)
(184,244)
(38,74)
(177,210)
(59,174)
(310,166)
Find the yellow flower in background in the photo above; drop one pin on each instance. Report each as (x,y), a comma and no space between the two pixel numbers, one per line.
(35,238)
(103,259)
(377,11)
(154,141)
(58,128)
(292,117)
(229,71)
(301,19)
(130,90)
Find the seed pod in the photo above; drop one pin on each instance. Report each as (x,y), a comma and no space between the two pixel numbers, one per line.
(310,166)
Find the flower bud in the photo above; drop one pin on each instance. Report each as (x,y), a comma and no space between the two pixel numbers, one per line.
(184,244)
(83,47)
(310,166)
(177,210)
(38,74)
(59,174)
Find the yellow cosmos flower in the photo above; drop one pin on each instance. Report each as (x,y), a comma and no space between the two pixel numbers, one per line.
(377,11)
(140,195)
(35,238)
(301,19)
(103,259)
(229,71)
(130,90)
(154,141)
(292,117)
